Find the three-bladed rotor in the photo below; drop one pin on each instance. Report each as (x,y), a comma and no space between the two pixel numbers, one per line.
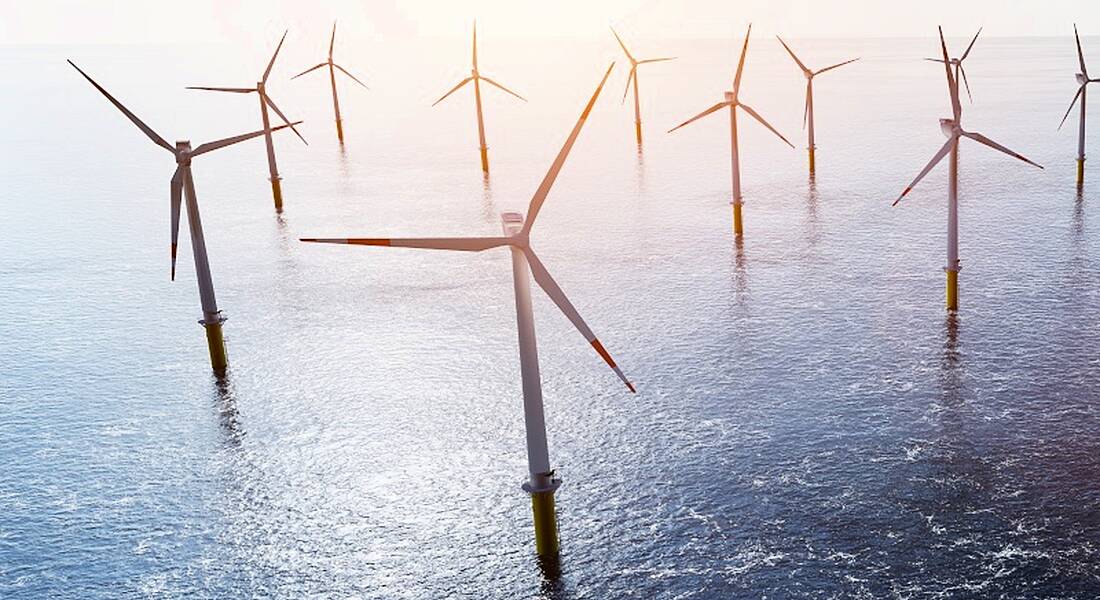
(952,128)
(182,152)
(520,241)
(1082,77)
(960,70)
(475,74)
(634,63)
(810,74)
(261,88)
(733,100)
(330,62)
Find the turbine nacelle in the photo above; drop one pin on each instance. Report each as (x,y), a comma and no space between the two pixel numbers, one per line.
(731,97)
(950,127)
(1082,78)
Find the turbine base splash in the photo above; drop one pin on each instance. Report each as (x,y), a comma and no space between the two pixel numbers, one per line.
(952,290)
(545,517)
(216,344)
(277,193)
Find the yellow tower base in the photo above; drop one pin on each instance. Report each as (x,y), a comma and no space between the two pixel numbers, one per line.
(277,193)
(216,343)
(485,160)
(952,290)
(546,523)
(340,130)
(638,131)
(737,228)
(812,167)
(1080,171)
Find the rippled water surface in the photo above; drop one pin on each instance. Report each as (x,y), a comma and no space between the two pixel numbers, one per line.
(809,421)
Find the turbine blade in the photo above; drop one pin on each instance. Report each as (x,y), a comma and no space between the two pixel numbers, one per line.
(559,161)
(701,115)
(272,62)
(653,60)
(935,60)
(741,63)
(472,244)
(971,46)
(756,116)
(932,163)
(453,90)
(215,145)
(475,45)
(271,103)
(791,52)
(952,85)
(1080,91)
(345,72)
(547,283)
(491,82)
(332,42)
(981,139)
(622,45)
(629,79)
(221,89)
(830,68)
(962,72)
(1080,54)
(177,196)
(129,115)
(310,69)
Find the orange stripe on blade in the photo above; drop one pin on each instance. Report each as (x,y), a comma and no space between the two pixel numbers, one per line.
(369,241)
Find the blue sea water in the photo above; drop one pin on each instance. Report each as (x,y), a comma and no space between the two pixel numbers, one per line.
(810,422)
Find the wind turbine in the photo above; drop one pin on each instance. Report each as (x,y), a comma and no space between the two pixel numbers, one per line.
(541,483)
(808,112)
(183,186)
(477,78)
(960,71)
(952,128)
(265,101)
(733,101)
(332,67)
(1083,80)
(634,78)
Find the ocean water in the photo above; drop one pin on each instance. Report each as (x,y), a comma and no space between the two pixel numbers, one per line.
(810,423)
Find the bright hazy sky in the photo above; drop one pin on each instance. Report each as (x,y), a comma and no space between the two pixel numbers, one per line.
(143,21)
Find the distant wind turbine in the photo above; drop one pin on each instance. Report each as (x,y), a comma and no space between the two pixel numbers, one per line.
(808,112)
(542,483)
(952,128)
(960,71)
(477,78)
(265,101)
(634,78)
(733,101)
(184,186)
(332,68)
(1083,80)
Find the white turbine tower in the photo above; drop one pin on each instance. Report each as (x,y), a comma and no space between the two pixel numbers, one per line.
(634,63)
(541,483)
(477,78)
(183,186)
(733,101)
(1083,81)
(265,102)
(808,111)
(332,68)
(952,128)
